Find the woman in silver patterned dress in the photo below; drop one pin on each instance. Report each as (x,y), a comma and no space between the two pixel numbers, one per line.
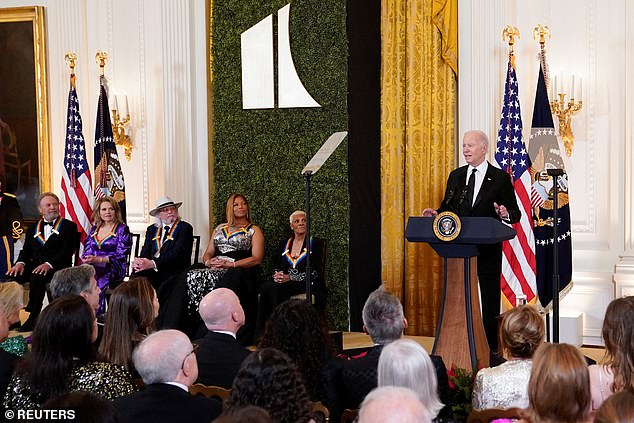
(232,260)
(506,386)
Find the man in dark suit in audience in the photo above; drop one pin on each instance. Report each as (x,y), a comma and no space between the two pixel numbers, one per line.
(219,354)
(49,246)
(167,249)
(384,321)
(480,189)
(166,361)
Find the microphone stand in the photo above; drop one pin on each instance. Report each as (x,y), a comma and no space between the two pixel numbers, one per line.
(555,173)
(309,287)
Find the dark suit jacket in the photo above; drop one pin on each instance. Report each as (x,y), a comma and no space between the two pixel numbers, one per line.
(175,254)
(219,358)
(496,187)
(58,249)
(9,214)
(358,376)
(161,402)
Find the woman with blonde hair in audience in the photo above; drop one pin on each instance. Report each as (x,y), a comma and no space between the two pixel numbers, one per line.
(61,359)
(618,408)
(132,311)
(406,364)
(506,386)
(12,301)
(617,373)
(559,387)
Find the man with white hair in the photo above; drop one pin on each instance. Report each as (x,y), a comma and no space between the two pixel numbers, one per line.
(166,361)
(391,404)
(219,354)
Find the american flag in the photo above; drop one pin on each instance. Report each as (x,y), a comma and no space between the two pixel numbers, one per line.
(77,200)
(108,174)
(518,258)
(545,154)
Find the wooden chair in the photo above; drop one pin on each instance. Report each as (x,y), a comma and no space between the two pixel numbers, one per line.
(349,416)
(319,411)
(490,414)
(218,392)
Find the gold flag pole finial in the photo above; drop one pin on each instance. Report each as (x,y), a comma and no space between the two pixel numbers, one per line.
(71,61)
(101,58)
(510,32)
(542,32)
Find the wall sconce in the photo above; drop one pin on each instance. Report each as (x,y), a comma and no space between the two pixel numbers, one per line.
(119,124)
(564,111)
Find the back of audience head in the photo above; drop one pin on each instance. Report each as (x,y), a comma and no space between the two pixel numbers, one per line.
(405,363)
(12,299)
(87,407)
(166,356)
(618,334)
(269,379)
(221,310)
(559,386)
(522,331)
(618,408)
(62,337)
(77,280)
(247,414)
(392,404)
(383,317)
(295,328)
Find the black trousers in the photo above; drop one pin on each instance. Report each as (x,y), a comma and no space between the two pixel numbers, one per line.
(489,269)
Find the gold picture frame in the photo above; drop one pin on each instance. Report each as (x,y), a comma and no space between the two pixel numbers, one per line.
(24,126)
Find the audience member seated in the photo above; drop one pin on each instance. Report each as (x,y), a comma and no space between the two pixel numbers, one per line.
(49,246)
(132,310)
(618,408)
(61,359)
(617,373)
(107,246)
(290,277)
(392,404)
(219,354)
(167,249)
(559,387)
(405,363)
(167,363)
(7,359)
(248,414)
(232,260)
(86,408)
(506,386)
(12,302)
(295,329)
(269,379)
(78,280)
(384,321)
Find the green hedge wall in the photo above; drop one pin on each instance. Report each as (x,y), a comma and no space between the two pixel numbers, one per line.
(260,153)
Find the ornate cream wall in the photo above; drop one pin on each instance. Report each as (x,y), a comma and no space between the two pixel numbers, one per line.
(596,41)
(158,56)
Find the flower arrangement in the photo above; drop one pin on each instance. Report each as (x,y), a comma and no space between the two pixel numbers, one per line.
(461,385)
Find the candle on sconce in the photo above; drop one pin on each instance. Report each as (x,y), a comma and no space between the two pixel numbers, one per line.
(580,88)
(127,109)
(572,87)
(555,85)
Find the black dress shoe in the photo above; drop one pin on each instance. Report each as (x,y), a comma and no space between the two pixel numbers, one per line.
(28,325)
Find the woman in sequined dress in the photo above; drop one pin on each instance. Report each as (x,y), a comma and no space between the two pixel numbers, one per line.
(232,260)
(107,246)
(506,386)
(61,359)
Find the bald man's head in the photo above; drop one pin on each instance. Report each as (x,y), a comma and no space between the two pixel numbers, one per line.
(161,356)
(221,310)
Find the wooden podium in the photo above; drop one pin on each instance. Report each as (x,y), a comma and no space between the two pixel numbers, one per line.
(460,338)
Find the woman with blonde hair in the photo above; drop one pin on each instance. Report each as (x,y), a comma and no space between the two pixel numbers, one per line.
(617,373)
(12,301)
(559,387)
(506,386)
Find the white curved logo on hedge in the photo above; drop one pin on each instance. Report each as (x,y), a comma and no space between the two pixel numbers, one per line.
(257,67)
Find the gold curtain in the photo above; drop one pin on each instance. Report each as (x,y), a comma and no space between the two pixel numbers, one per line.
(418,95)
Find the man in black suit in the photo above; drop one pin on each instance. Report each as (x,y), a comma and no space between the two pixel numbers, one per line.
(384,321)
(49,246)
(219,354)
(167,249)
(482,190)
(166,361)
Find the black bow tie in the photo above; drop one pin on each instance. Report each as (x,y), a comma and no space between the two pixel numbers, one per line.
(49,223)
